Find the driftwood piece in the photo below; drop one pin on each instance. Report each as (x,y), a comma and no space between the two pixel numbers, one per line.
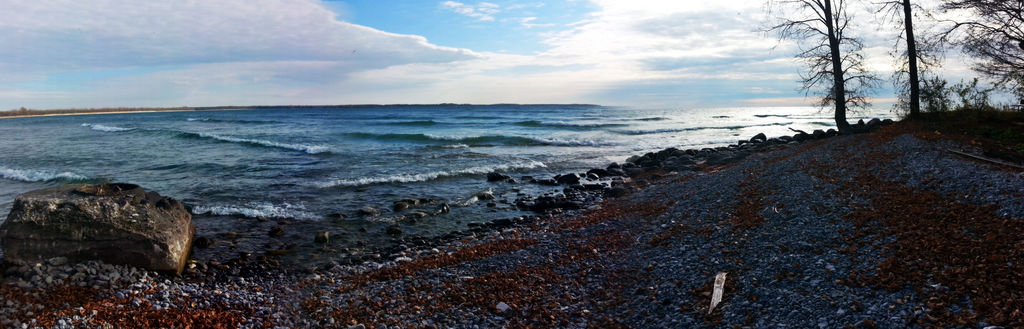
(798,131)
(716,295)
(985,159)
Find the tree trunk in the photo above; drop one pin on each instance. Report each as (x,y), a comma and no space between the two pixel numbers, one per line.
(915,87)
(839,87)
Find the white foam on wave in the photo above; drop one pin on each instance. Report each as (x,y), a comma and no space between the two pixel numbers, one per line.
(36,175)
(109,129)
(574,142)
(311,149)
(260,209)
(413,178)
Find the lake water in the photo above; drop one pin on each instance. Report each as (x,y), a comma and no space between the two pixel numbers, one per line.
(305,166)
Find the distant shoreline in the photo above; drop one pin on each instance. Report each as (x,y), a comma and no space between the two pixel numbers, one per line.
(83,113)
(67,112)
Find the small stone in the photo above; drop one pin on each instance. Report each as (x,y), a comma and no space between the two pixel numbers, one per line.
(322,237)
(369,211)
(58,261)
(485,195)
(495,177)
(276,231)
(202,242)
(503,307)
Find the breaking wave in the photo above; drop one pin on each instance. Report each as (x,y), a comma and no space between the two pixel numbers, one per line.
(493,140)
(676,130)
(413,178)
(478,117)
(652,119)
(254,210)
(311,149)
(109,129)
(418,123)
(231,121)
(37,175)
(564,125)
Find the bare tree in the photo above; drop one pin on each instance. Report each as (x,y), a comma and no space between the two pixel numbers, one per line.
(834,59)
(994,33)
(914,56)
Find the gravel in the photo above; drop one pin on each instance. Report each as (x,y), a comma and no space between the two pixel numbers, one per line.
(774,220)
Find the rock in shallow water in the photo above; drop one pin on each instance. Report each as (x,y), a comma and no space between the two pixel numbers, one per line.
(113,223)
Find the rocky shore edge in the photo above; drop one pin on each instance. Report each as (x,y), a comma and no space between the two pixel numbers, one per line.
(259,294)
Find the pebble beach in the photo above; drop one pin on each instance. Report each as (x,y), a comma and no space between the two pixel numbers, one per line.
(878,230)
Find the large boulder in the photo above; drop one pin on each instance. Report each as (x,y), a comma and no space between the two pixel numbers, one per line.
(113,223)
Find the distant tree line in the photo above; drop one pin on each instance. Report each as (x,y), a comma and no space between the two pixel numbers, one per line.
(30,112)
(988,30)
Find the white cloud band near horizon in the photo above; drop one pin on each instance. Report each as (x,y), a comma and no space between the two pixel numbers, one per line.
(114,53)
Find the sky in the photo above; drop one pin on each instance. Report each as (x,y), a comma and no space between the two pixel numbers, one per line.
(640,53)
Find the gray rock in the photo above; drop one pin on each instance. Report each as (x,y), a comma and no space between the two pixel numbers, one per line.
(496,177)
(547,182)
(568,179)
(758,138)
(58,261)
(202,242)
(600,173)
(400,205)
(485,195)
(369,211)
(322,237)
(418,214)
(617,191)
(113,223)
(616,172)
(634,171)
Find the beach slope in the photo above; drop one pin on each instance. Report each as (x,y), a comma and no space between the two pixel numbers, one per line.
(889,229)
(895,228)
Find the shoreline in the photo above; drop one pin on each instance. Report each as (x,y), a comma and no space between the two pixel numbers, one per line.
(88,113)
(795,224)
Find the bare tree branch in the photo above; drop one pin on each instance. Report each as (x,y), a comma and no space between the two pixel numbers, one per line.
(835,66)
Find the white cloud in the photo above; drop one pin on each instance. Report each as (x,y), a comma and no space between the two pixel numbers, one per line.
(483,11)
(528,22)
(66,34)
(640,52)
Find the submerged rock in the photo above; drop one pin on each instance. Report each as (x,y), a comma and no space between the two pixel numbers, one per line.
(486,195)
(322,237)
(112,223)
(369,211)
(496,177)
